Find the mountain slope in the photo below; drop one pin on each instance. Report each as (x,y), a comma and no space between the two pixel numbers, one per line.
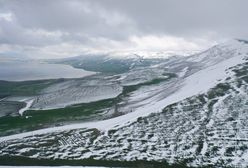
(200,121)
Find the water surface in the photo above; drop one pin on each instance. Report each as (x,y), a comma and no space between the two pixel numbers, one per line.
(22,71)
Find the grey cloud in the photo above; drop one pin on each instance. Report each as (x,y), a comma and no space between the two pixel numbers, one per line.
(12,33)
(73,16)
(96,23)
(189,17)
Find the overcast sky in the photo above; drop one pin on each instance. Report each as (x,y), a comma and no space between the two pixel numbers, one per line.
(63,28)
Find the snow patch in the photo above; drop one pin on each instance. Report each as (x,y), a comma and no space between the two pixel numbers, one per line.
(28,105)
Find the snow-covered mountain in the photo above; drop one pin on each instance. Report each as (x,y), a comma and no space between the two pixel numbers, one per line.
(197,118)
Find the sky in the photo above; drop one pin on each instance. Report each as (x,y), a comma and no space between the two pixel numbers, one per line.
(65,28)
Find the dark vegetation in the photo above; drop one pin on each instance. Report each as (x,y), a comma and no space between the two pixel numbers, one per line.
(21,161)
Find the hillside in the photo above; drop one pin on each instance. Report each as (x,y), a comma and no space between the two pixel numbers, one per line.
(197,118)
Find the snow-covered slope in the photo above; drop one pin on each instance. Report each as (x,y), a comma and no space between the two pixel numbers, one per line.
(198,118)
(76,91)
(217,53)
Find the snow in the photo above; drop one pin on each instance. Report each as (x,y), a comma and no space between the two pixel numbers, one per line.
(207,78)
(28,105)
(195,84)
(25,150)
(212,132)
(152,54)
(2,99)
(140,76)
(183,72)
(217,53)
(75,94)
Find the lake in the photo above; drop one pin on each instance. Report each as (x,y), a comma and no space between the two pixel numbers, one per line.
(32,70)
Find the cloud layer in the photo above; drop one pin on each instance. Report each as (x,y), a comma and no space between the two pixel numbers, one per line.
(62,28)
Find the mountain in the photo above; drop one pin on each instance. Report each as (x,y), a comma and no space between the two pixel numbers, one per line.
(111,63)
(197,118)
